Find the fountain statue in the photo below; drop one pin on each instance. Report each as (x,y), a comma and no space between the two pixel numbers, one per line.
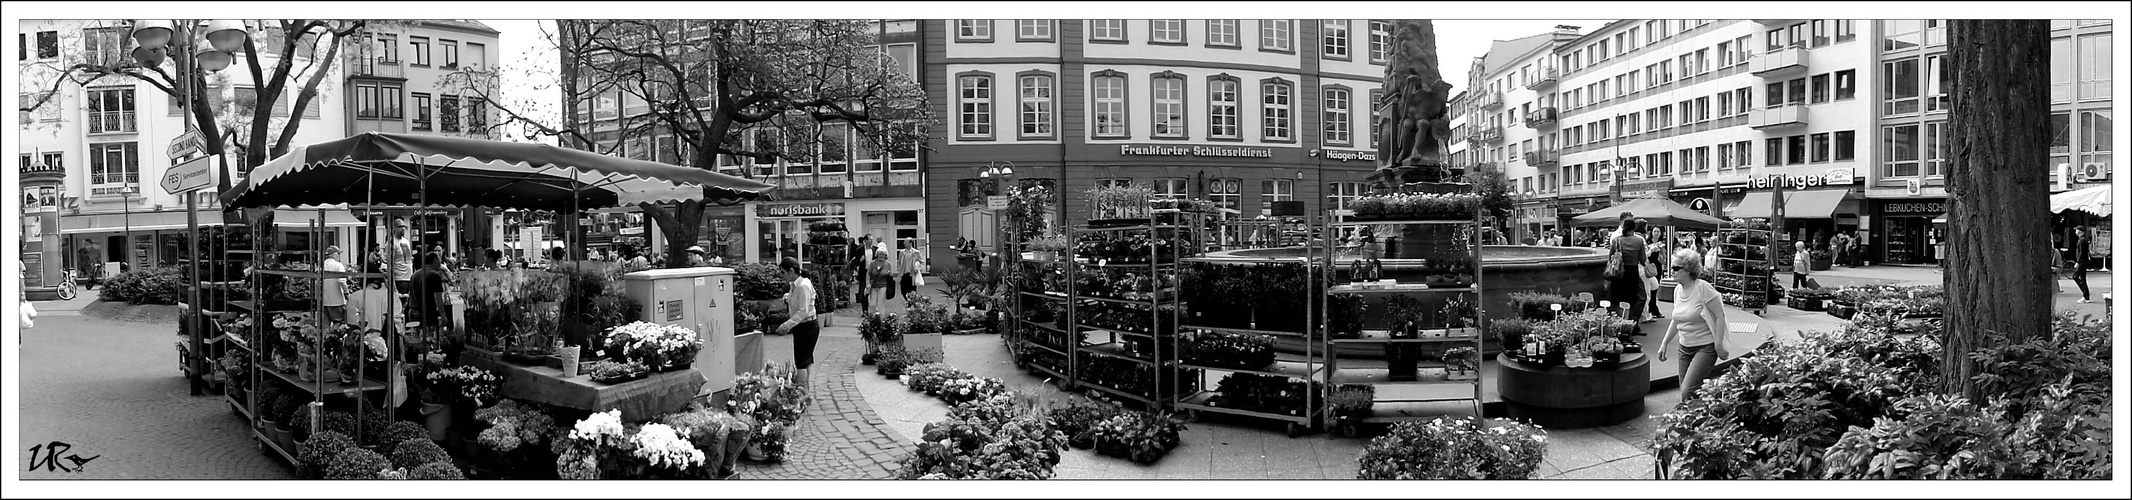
(1414,110)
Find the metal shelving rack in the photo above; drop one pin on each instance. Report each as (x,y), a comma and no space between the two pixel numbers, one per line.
(1310,368)
(1409,396)
(1732,253)
(262,318)
(1182,232)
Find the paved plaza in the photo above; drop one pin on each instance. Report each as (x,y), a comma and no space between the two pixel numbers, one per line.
(103,379)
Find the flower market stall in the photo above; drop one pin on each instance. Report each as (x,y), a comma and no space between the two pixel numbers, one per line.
(532,333)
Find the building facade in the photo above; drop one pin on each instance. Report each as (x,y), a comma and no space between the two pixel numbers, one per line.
(1242,113)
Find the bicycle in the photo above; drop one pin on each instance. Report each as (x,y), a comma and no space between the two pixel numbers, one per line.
(66,285)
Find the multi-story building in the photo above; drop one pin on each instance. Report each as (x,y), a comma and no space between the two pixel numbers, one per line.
(872,191)
(398,77)
(96,149)
(1907,191)
(1710,113)
(1241,112)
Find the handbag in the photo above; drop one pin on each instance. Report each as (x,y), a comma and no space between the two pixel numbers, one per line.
(1613,266)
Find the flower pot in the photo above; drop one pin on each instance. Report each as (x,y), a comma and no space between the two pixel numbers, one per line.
(438,419)
(754,452)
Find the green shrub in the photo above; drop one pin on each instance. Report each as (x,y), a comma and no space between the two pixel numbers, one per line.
(417,451)
(398,431)
(162,285)
(342,422)
(436,471)
(1510,333)
(1533,306)
(356,463)
(1447,448)
(313,454)
(758,281)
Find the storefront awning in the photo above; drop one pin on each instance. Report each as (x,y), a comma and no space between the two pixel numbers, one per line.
(291,218)
(1815,204)
(120,222)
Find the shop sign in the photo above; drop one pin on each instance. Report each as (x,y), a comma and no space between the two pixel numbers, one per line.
(1646,189)
(1215,151)
(1699,204)
(1834,177)
(1346,154)
(800,210)
(1914,208)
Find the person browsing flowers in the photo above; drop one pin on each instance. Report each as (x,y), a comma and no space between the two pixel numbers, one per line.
(803,327)
(1698,323)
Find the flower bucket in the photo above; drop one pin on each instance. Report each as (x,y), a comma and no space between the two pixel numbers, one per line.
(569,355)
(438,419)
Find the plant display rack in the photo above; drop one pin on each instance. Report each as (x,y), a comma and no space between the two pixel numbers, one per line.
(1166,237)
(1309,369)
(251,343)
(828,246)
(1405,400)
(1737,278)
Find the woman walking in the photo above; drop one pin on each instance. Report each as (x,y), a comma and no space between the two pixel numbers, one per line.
(1800,261)
(1625,268)
(2076,260)
(802,325)
(880,275)
(1698,324)
(1654,260)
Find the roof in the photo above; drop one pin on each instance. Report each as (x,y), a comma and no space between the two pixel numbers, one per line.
(1502,52)
(466,24)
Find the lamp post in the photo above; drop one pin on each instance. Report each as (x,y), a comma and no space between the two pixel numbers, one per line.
(212,49)
(1000,173)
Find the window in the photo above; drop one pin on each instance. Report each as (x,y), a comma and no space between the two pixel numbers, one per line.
(104,46)
(1222,109)
(1724,104)
(1106,183)
(1687,112)
(1165,31)
(1273,190)
(765,138)
(421,111)
(113,164)
(1795,91)
(476,55)
(2095,67)
(1934,150)
(448,113)
(2062,57)
(1276,105)
(973,30)
(2095,139)
(1846,145)
(1222,33)
(1226,193)
(419,46)
(47,44)
(1338,128)
(865,153)
(388,48)
(1702,109)
(1377,101)
(110,110)
(1901,87)
(1036,103)
(905,57)
(477,114)
(1773,148)
(1899,151)
(1109,92)
(1339,194)
(1107,30)
(1032,30)
(1380,41)
(975,101)
(1274,35)
(1901,34)
(1702,61)
(1724,157)
(1167,96)
(366,100)
(450,53)
(1724,54)
(1820,88)
(1844,30)
(48,111)
(1170,188)
(1772,40)
(1846,84)
(1336,38)
(836,147)
(1820,147)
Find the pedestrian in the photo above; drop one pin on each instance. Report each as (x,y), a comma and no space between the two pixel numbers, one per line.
(2058,270)
(368,306)
(403,258)
(2076,258)
(374,261)
(1698,324)
(695,256)
(1624,271)
(1704,246)
(1800,262)
(1654,260)
(880,275)
(908,261)
(1851,243)
(861,255)
(429,300)
(1838,245)
(333,292)
(803,327)
(634,261)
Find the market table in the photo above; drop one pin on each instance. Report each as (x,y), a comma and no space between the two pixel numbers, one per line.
(641,399)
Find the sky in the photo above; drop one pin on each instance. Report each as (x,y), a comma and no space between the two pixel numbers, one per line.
(529,58)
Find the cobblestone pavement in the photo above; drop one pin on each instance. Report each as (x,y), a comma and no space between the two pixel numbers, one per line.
(112,390)
(840,436)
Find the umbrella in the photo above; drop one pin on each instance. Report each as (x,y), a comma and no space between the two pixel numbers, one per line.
(2094,200)
(380,169)
(1659,212)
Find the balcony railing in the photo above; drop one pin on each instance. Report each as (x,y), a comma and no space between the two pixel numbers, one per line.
(1543,158)
(1781,116)
(1544,80)
(1489,100)
(111,122)
(1540,117)
(1785,62)
(1489,134)
(371,67)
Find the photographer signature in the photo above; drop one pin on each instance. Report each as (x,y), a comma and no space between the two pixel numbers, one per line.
(47,457)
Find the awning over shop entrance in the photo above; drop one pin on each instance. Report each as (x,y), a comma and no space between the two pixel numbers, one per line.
(1815,204)
(146,221)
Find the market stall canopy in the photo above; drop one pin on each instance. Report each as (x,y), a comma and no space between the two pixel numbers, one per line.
(1812,204)
(2094,200)
(379,169)
(1659,212)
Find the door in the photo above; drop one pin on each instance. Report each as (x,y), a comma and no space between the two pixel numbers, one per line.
(881,226)
(780,238)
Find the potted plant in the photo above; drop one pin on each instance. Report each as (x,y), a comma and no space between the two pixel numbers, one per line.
(1462,362)
(614,372)
(890,360)
(1401,358)
(1117,205)
(658,347)
(1350,403)
(1047,247)
(922,323)
(878,329)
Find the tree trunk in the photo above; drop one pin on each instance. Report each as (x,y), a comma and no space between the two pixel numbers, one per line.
(680,226)
(1998,139)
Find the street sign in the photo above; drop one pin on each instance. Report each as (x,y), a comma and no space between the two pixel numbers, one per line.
(185,144)
(996,202)
(193,174)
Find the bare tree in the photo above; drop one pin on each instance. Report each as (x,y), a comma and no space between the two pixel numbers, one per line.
(304,52)
(749,89)
(1999,132)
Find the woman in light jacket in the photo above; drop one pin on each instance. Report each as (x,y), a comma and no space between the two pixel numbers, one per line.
(1698,324)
